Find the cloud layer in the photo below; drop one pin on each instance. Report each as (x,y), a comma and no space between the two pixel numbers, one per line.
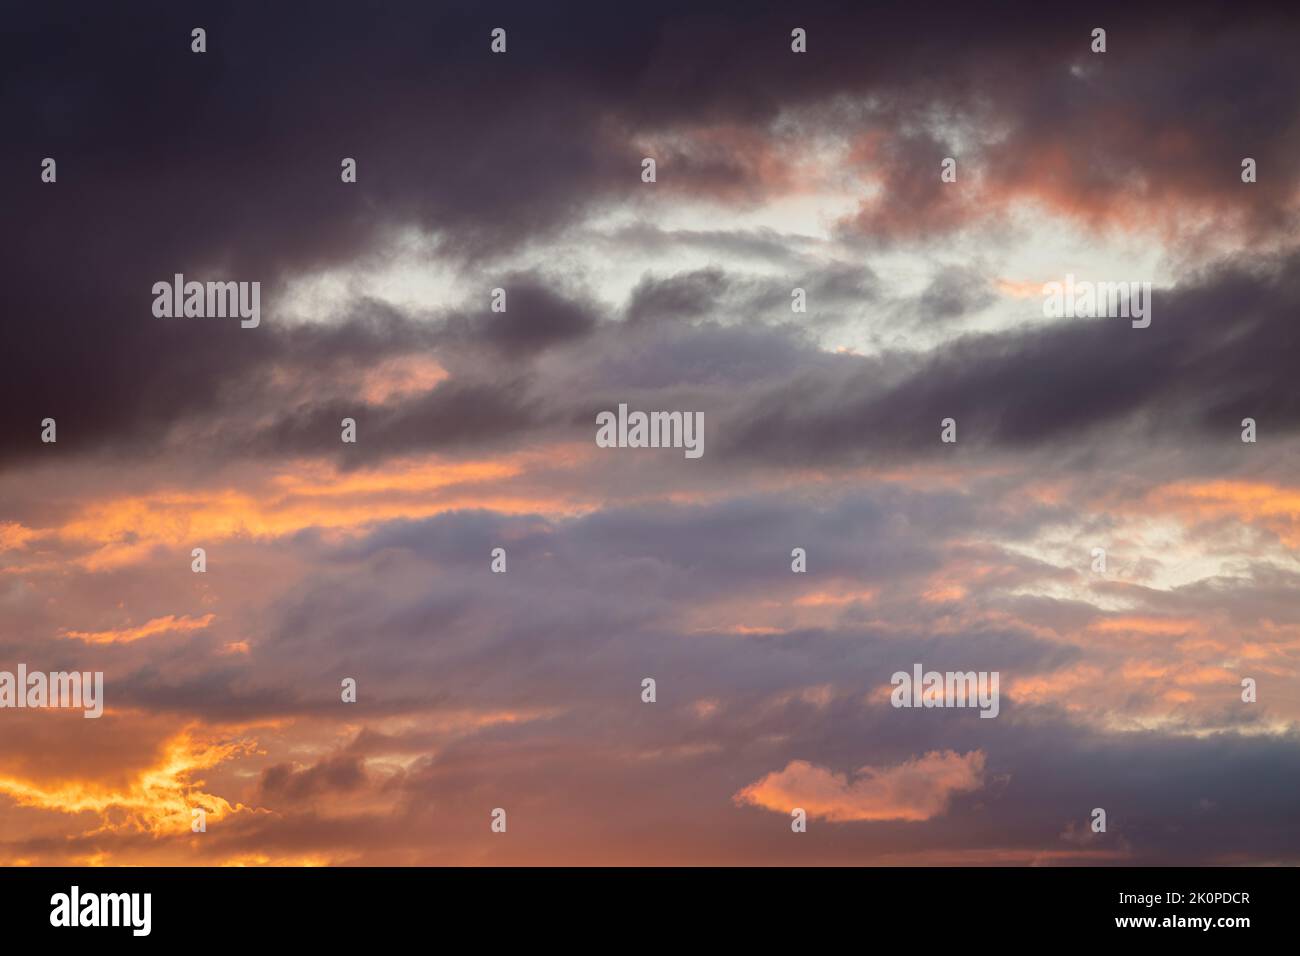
(776,172)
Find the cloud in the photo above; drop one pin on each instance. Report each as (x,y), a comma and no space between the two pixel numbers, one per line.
(1094,381)
(342,772)
(776,171)
(915,790)
(158,625)
(156,800)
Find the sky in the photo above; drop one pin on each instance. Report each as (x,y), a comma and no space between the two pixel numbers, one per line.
(475,430)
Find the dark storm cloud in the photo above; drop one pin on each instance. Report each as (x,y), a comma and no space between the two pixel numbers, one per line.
(837,291)
(455,413)
(225,382)
(955,293)
(1218,349)
(752,244)
(688,295)
(339,773)
(535,318)
(911,206)
(226,164)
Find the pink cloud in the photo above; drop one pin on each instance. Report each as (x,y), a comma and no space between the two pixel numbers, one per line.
(915,790)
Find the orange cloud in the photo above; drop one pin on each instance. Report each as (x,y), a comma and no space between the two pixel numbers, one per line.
(1020,288)
(915,790)
(1138,624)
(14,536)
(307,494)
(829,597)
(1275,507)
(156,800)
(1055,687)
(158,625)
(400,378)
